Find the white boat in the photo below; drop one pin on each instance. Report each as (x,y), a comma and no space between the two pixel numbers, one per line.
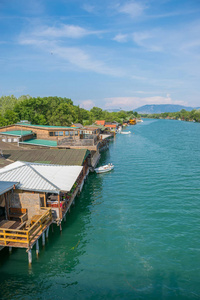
(119,129)
(104,169)
(125,132)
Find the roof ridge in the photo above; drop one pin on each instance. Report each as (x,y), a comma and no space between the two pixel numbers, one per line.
(27,164)
(55,186)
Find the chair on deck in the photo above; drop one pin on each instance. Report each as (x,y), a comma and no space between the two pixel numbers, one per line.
(18,214)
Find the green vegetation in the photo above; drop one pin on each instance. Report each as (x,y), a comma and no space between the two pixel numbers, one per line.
(183,115)
(55,111)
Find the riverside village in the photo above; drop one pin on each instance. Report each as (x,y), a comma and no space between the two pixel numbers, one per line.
(42,172)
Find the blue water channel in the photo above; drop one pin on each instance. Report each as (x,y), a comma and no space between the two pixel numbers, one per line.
(133,233)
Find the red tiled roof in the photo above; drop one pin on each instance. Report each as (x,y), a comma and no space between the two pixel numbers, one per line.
(111,126)
(100,122)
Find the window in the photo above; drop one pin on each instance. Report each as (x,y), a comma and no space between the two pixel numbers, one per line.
(66,133)
(71,133)
(76,132)
(60,133)
(56,133)
(51,134)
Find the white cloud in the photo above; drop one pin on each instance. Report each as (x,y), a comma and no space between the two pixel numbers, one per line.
(121,38)
(73,55)
(89,8)
(87,104)
(65,31)
(134,102)
(148,40)
(133,9)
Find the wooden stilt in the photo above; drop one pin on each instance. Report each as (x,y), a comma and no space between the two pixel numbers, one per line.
(43,238)
(52,227)
(10,250)
(29,256)
(37,247)
(47,232)
(60,227)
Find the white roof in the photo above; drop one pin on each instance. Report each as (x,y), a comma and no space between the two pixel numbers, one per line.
(41,177)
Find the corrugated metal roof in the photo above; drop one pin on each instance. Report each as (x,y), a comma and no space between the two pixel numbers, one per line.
(43,126)
(17,132)
(6,186)
(41,177)
(38,142)
(7,146)
(70,157)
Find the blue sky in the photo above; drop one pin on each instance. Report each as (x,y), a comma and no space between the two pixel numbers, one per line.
(111,54)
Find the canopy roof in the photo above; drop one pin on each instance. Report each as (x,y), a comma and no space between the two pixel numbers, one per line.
(6,186)
(41,177)
(17,132)
(39,142)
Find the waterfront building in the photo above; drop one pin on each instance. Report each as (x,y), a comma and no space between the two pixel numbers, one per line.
(39,136)
(44,185)
(21,222)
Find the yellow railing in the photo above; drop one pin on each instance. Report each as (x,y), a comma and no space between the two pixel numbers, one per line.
(26,236)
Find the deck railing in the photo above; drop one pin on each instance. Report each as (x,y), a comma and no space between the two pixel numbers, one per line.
(24,238)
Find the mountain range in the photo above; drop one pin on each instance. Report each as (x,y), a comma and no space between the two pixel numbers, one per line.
(161,108)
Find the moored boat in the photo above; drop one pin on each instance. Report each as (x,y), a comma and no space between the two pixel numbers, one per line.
(104,169)
(125,132)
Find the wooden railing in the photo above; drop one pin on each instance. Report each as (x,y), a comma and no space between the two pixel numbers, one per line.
(24,238)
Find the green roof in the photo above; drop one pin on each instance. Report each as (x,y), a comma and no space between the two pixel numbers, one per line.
(49,156)
(37,142)
(17,132)
(47,126)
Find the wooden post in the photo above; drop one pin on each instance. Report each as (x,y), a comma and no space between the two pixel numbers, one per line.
(37,247)
(10,250)
(43,238)
(6,206)
(45,200)
(59,206)
(47,232)
(29,256)
(60,227)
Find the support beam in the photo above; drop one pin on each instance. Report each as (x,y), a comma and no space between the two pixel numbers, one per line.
(10,250)
(47,232)
(59,206)
(43,238)
(60,227)
(29,256)
(45,200)
(37,247)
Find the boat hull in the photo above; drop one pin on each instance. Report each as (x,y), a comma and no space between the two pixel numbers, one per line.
(104,169)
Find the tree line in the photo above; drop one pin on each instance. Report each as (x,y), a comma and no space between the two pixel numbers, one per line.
(55,111)
(183,115)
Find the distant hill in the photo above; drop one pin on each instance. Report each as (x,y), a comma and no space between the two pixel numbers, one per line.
(161,108)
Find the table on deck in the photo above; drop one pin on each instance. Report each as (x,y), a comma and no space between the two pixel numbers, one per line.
(35,218)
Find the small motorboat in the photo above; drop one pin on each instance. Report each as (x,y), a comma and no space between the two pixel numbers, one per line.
(104,169)
(125,132)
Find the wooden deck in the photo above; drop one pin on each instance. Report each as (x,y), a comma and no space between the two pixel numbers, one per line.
(12,236)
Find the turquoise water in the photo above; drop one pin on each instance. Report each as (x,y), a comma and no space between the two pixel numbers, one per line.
(133,233)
